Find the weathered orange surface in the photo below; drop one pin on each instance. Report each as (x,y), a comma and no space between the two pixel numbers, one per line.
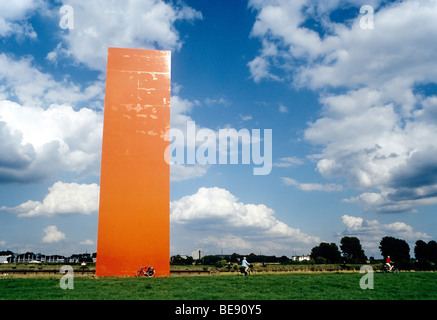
(134,218)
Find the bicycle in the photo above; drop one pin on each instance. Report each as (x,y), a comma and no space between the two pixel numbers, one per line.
(146,272)
(386,269)
(242,270)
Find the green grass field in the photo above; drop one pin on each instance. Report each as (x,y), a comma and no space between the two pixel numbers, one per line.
(285,286)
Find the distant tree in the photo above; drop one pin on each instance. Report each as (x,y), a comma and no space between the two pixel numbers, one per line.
(251,258)
(235,257)
(179,260)
(86,258)
(421,251)
(351,249)
(283,259)
(211,260)
(326,252)
(221,263)
(397,249)
(432,251)
(421,255)
(425,254)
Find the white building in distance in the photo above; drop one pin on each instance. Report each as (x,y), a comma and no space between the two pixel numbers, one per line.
(301,258)
(197,254)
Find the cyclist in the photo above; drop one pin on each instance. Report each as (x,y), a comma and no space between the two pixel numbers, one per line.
(245,264)
(389,263)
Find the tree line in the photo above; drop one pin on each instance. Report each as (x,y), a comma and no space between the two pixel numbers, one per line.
(397,249)
(350,251)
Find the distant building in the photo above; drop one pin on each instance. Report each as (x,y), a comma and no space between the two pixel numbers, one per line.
(197,254)
(301,258)
(5,259)
(30,257)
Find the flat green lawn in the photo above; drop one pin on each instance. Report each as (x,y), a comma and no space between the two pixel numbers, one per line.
(291,286)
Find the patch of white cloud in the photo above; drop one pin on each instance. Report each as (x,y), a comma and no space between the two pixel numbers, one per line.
(287,162)
(180,111)
(228,241)
(62,199)
(40,143)
(180,172)
(283,109)
(371,232)
(330,187)
(24,83)
(375,131)
(223,222)
(53,235)
(87,242)
(101,24)
(14,17)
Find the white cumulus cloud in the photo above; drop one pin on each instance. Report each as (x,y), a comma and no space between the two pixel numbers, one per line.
(226,220)
(25,83)
(100,24)
(63,198)
(53,235)
(14,15)
(39,143)
(370,232)
(375,129)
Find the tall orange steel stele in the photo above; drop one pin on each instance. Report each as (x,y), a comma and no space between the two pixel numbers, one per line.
(134,214)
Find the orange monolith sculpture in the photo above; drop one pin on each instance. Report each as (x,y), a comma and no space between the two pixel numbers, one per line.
(134,217)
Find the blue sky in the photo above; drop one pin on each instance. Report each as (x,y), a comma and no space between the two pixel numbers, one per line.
(352,111)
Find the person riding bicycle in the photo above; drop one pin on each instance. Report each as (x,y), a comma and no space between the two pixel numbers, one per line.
(245,264)
(389,263)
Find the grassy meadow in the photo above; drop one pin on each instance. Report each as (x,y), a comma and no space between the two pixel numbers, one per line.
(261,286)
